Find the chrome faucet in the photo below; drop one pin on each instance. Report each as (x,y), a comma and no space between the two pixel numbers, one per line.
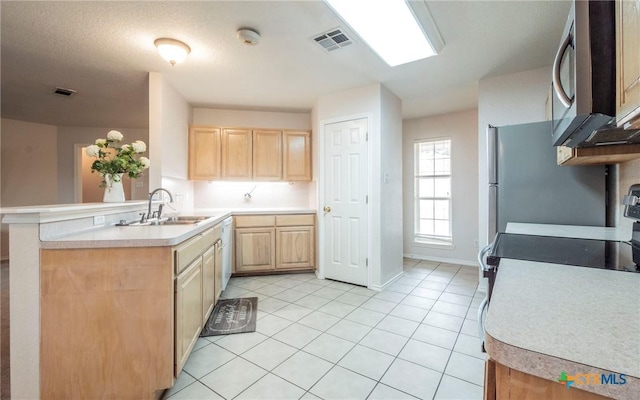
(159,212)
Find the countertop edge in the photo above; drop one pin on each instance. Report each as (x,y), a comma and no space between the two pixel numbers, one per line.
(72,242)
(549,367)
(185,234)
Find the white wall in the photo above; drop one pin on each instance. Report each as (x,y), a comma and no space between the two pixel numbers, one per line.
(381,108)
(221,194)
(391,220)
(70,136)
(29,163)
(28,168)
(251,119)
(169,119)
(506,100)
(462,129)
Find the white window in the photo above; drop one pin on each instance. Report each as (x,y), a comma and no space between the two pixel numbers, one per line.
(433,191)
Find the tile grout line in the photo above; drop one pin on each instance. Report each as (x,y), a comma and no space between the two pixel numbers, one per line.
(344,318)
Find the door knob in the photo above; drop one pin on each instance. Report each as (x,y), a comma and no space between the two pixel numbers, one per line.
(327,209)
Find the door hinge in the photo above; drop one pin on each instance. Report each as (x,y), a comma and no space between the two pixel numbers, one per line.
(366,136)
(366,262)
(366,199)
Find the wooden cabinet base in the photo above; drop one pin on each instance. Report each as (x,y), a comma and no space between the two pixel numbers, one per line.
(107,323)
(275,272)
(504,383)
(270,243)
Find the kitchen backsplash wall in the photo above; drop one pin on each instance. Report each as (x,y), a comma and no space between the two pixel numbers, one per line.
(262,195)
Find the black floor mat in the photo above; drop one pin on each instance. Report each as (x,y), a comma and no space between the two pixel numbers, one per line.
(232,316)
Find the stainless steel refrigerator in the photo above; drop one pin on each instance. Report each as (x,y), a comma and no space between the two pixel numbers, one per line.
(527,185)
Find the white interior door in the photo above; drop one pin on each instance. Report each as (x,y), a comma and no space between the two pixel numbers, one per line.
(345,201)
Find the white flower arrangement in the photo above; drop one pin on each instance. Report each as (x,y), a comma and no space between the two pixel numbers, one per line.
(124,161)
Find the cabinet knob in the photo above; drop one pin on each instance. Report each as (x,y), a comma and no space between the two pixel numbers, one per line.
(327,209)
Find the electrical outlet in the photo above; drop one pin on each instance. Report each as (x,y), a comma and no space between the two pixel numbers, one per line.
(475,243)
(99,220)
(139,184)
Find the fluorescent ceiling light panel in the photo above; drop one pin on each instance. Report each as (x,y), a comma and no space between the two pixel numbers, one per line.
(389,28)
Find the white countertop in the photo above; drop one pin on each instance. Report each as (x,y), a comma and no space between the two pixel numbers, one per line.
(547,318)
(61,212)
(155,235)
(132,236)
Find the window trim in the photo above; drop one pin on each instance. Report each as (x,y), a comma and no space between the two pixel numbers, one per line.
(419,238)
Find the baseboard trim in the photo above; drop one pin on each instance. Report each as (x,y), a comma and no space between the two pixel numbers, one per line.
(389,282)
(443,260)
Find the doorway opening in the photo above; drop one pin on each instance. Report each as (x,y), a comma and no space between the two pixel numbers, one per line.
(88,188)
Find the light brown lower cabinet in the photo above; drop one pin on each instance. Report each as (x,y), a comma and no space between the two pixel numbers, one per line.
(266,243)
(208,282)
(120,322)
(295,247)
(188,311)
(107,322)
(255,249)
(504,383)
(196,289)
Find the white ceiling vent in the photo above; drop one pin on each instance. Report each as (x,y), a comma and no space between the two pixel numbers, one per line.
(333,39)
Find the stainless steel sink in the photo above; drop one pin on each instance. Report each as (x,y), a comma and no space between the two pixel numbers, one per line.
(187,218)
(177,220)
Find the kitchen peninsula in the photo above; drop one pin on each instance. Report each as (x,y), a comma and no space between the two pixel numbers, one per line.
(94,302)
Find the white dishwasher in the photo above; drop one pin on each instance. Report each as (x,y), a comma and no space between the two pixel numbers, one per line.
(227,246)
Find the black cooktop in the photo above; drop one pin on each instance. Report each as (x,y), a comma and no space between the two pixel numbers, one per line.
(604,254)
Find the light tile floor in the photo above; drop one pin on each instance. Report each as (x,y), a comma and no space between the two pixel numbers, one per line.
(331,340)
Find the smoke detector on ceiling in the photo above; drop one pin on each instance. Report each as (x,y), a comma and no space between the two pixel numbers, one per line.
(64,92)
(248,36)
(333,39)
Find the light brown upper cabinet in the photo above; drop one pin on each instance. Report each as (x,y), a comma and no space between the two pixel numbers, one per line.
(628,63)
(267,155)
(297,156)
(204,153)
(237,154)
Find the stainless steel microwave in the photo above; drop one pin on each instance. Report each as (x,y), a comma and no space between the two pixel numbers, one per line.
(584,91)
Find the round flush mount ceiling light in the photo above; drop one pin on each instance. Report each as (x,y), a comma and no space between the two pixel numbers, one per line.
(174,51)
(248,36)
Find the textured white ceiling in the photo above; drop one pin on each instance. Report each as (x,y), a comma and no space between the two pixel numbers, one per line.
(104,50)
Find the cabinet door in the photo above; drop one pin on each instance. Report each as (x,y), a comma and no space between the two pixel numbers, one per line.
(255,249)
(295,247)
(628,53)
(296,156)
(218,271)
(208,283)
(188,309)
(267,155)
(236,154)
(204,153)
